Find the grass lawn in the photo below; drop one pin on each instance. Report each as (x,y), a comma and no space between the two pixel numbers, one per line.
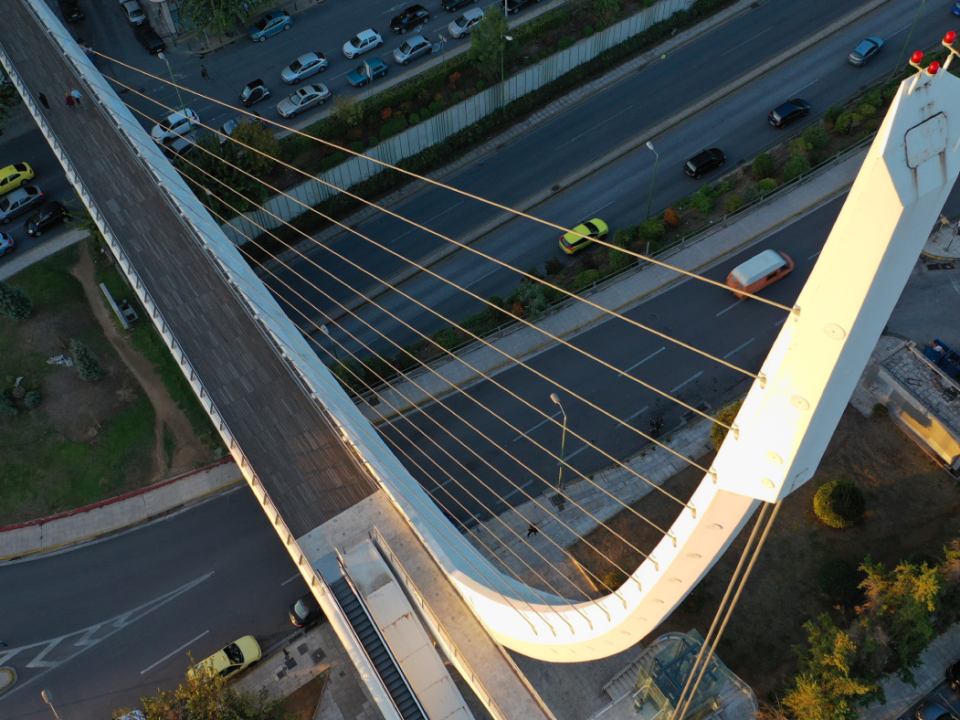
(912,506)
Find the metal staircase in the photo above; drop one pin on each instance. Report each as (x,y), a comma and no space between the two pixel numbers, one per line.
(379,654)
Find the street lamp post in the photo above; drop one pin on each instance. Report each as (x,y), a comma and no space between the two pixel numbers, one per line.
(563,441)
(48,699)
(172,79)
(654,178)
(503,80)
(326,332)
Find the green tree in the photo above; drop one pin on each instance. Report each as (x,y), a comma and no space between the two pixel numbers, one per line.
(606,10)
(14,302)
(222,16)
(794,168)
(257,136)
(827,686)
(815,137)
(718,433)
(763,166)
(348,110)
(225,188)
(9,98)
(487,43)
(88,364)
(206,696)
(839,503)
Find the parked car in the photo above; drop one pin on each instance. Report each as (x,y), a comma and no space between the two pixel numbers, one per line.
(412,48)
(178,147)
(135,14)
(761,270)
(253,92)
(50,213)
(464,24)
(303,67)
(270,24)
(867,48)
(361,43)
(413,17)
(178,123)
(514,6)
(237,656)
(13,176)
(956,8)
(226,130)
(70,9)
(7,245)
(788,112)
(454,5)
(303,99)
(148,37)
(595,229)
(306,612)
(19,201)
(704,162)
(369,71)
(934,711)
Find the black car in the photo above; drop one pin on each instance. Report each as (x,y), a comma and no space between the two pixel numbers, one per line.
(70,9)
(788,112)
(253,92)
(306,612)
(49,214)
(454,5)
(514,6)
(148,37)
(704,162)
(953,675)
(412,17)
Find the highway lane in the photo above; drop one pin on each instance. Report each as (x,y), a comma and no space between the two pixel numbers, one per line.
(190,583)
(541,157)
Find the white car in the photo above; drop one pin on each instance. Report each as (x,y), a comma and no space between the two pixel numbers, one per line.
(464,24)
(175,124)
(135,14)
(364,41)
(303,67)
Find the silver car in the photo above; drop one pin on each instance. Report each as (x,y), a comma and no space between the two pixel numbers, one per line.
(412,48)
(464,24)
(19,201)
(303,67)
(134,13)
(303,99)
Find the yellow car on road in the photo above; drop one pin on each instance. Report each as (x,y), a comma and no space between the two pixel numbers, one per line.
(237,656)
(13,176)
(595,229)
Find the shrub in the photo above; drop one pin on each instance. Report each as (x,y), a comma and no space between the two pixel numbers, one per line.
(553,265)
(866,110)
(839,581)
(651,231)
(749,193)
(839,503)
(587,31)
(671,217)
(88,365)
(702,203)
(435,107)
(32,399)
(332,160)
(794,168)
(722,188)
(815,137)
(766,186)
(534,303)
(620,260)
(481,84)
(379,369)
(734,202)
(847,123)
(357,146)
(614,579)
(14,302)
(393,127)
(424,115)
(763,166)
(585,279)
(831,115)
(879,410)
(446,338)
(414,118)
(565,43)
(405,360)
(727,415)
(386,113)
(373,141)
(6,403)
(623,238)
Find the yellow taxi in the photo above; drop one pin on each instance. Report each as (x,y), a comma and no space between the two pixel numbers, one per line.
(237,656)
(595,229)
(13,176)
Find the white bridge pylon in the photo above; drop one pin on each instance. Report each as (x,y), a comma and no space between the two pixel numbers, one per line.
(789,415)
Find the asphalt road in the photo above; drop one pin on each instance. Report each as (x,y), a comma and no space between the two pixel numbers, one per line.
(618,193)
(102,625)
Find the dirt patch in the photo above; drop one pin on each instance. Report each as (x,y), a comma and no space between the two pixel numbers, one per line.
(912,506)
(303,704)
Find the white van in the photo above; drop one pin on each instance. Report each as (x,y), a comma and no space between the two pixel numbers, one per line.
(758,272)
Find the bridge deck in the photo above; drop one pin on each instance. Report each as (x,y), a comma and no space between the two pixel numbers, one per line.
(300,460)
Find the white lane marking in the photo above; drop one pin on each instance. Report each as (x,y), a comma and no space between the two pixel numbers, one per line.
(815,254)
(627,419)
(542,422)
(729,308)
(687,381)
(896,33)
(482,277)
(738,349)
(594,213)
(572,455)
(425,222)
(778,323)
(179,649)
(746,41)
(596,126)
(289,579)
(443,484)
(955,286)
(796,92)
(513,492)
(627,371)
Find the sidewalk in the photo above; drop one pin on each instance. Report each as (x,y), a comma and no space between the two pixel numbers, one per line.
(109,516)
(22,260)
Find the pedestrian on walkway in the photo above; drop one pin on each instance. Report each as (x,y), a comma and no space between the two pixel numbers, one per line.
(656,425)
(204,74)
(532,530)
(43,100)
(68,99)
(76,95)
